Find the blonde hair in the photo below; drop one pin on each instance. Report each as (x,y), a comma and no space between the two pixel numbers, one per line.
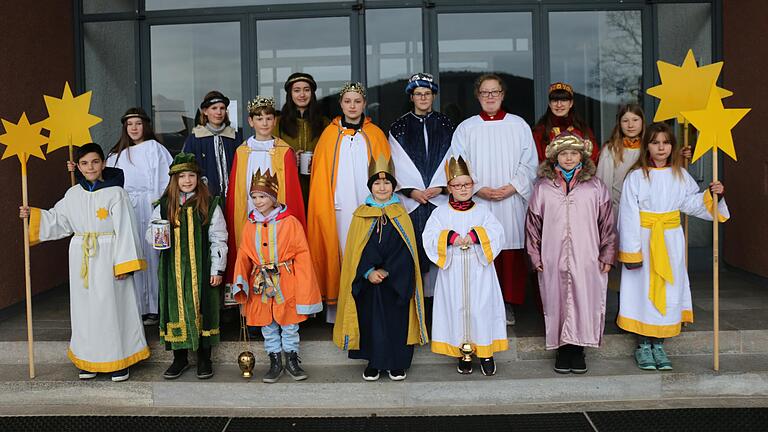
(675,160)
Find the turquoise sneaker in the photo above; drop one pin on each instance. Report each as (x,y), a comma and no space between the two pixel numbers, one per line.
(660,356)
(644,357)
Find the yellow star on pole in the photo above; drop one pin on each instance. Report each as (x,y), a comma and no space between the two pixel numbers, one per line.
(685,87)
(69,120)
(714,124)
(22,139)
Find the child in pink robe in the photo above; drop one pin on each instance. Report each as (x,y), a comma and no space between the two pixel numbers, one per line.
(571,240)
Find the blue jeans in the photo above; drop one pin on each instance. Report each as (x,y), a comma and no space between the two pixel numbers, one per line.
(279,338)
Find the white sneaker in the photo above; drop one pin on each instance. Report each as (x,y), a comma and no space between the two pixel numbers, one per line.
(510,314)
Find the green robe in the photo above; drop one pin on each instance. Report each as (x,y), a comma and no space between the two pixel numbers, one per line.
(189,306)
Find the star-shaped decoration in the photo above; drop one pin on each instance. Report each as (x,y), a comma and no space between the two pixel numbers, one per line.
(22,139)
(69,120)
(685,87)
(102,213)
(714,124)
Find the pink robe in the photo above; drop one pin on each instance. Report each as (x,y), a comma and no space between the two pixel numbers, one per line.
(570,236)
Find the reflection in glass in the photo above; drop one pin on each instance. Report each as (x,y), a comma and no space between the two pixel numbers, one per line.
(110,73)
(394,53)
(471,44)
(188,60)
(106,6)
(317,46)
(601,55)
(184,4)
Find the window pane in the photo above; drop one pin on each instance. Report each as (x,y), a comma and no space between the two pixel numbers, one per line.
(191,4)
(601,55)
(105,6)
(110,72)
(471,44)
(188,61)
(317,46)
(394,53)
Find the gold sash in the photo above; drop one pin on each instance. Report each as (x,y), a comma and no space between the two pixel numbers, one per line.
(661,269)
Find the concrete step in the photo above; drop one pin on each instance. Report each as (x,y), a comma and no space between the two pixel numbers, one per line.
(324,352)
(519,386)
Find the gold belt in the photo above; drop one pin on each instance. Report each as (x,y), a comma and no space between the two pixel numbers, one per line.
(90,246)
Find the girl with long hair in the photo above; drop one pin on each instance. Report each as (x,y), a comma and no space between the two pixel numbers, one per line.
(561,117)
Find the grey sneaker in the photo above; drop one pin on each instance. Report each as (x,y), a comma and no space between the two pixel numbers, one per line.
(660,358)
(510,314)
(293,367)
(275,368)
(644,357)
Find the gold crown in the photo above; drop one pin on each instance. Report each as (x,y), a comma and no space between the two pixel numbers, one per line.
(264,182)
(456,167)
(259,102)
(380,165)
(352,87)
(568,141)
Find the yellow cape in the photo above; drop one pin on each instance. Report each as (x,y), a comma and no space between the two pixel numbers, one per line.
(346,332)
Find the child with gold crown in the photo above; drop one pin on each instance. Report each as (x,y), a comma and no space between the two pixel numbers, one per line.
(462,238)
(274,280)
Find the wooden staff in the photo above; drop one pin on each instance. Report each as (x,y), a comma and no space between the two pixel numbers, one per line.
(715,269)
(72,173)
(685,218)
(27,276)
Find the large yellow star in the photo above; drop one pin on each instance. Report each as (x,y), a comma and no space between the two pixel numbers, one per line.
(714,124)
(22,139)
(685,87)
(69,120)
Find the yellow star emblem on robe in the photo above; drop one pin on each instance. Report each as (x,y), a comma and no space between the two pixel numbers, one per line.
(69,120)
(685,87)
(714,124)
(22,139)
(102,213)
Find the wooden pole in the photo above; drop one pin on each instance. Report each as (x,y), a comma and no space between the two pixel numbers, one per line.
(27,275)
(71,159)
(715,269)
(685,219)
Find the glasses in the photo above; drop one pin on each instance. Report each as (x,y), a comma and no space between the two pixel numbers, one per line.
(425,95)
(490,94)
(462,186)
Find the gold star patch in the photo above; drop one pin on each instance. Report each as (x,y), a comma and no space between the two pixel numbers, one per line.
(102,213)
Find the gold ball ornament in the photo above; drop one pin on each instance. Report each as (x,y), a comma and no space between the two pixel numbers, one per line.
(246,361)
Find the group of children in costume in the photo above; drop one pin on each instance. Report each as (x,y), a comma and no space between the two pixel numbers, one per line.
(236,216)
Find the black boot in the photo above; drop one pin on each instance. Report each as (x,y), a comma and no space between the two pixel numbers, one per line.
(179,365)
(563,360)
(578,362)
(295,370)
(204,364)
(275,368)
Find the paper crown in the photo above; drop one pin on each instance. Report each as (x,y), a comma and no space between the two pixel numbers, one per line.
(352,87)
(265,182)
(184,162)
(382,166)
(568,141)
(456,167)
(260,102)
(421,79)
(560,86)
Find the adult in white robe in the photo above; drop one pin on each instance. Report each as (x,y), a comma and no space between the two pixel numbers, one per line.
(107,332)
(145,166)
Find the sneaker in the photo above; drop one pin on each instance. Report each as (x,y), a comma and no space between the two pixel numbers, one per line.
(464,367)
(150,319)
(275,368)
(370,374)
(488,366)
(644,357)
(292,366)
(510,314)
(397,374)
(121,375)
(660,358)
(578,361)
(563,360)
(85,375)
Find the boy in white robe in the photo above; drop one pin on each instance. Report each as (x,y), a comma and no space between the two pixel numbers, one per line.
(462,238)
(107,332)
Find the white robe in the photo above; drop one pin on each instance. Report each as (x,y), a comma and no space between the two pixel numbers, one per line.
(107,332)
(259,157)
(145,167)
(613,175)
(662,192)
(501,152)
(487,324)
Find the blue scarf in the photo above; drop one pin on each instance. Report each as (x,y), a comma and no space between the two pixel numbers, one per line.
(568,175)
(371,202)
